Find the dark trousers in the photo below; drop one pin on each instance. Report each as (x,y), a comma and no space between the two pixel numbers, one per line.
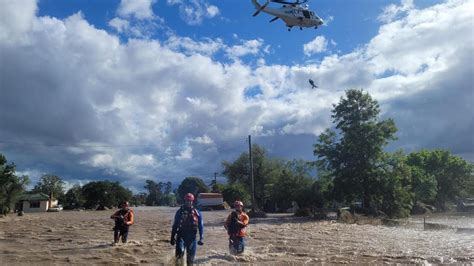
(186,243)
(120,232)
(236,244)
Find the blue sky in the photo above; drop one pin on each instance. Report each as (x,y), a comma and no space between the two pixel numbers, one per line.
(350,23)
(163,89)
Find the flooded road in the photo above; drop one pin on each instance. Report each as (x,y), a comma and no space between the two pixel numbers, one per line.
(85,238)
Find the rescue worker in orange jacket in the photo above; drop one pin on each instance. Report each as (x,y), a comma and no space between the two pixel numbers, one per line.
(236,225)
(123,220)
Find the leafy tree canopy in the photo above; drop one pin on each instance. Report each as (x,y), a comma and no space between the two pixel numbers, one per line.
(194,185)
(104,194)
(353,151)
(265,171)
(453,176)
(11,185)
(50,184)
(73,198)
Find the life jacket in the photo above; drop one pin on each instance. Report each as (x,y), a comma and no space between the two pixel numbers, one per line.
(189,220)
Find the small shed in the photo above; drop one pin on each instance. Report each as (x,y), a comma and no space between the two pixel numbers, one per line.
(210,199)
(37,202)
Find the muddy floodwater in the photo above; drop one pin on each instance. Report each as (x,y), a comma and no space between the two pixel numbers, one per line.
(73,237)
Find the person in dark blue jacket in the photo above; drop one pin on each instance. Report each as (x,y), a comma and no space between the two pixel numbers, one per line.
(187,223)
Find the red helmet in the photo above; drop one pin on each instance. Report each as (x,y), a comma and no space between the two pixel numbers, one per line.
(238,203)
(189,197)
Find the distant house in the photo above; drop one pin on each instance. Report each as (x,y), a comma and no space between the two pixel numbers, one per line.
(37,202)
(210,199)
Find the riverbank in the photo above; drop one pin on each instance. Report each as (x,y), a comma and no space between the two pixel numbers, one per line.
(71,237)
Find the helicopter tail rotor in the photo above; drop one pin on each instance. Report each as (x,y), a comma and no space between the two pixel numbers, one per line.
(260,7)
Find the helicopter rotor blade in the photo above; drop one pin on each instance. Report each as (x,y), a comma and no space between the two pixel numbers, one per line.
(261,8)
(273,19)
(296,2)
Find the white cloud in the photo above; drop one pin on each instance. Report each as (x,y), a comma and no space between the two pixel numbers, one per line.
(136,19)
(249,47)
(129,107)
(189,46)
(140,9)
(193,12)
(186,154)
(212,11)
(16,18)
(120,25)
(318,45)
(205,139)
(392,11)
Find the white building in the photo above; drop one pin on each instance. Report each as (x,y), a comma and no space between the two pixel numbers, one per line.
(210,199)
(38,202)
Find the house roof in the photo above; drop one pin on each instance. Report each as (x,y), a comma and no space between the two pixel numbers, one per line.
(210,195)
(34,197)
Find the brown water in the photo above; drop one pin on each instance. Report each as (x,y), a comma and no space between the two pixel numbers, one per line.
(85,237)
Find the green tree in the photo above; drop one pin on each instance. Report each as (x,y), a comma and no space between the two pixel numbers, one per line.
(73,198)
(425,186)
(234,192)
(99,194)
(154,192)
(194,185)
(453,175)
(353,151)
(265,171)
(139,199)
(50,184)
(168,200)
(293,184)
(167,188)
(394,195)
(11,185)
(468,191)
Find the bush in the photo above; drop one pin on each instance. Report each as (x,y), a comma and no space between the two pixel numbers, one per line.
(303,212)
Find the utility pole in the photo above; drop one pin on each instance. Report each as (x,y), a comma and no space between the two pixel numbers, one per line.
(251,173)
(215,178)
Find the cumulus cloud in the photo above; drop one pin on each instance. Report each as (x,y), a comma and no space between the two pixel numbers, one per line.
(120,25)
(16,19)
(136,19)
(392,11)
(193,12)
(248,47)
(89,106)
(140,9)
(318,45)
(189,46)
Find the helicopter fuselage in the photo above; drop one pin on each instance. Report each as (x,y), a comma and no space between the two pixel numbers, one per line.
(292,15)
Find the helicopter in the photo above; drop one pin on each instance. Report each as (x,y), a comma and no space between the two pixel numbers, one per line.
(292,13)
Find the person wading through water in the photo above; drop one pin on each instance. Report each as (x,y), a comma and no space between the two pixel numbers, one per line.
(236,225)
(187,222)
(123,220)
